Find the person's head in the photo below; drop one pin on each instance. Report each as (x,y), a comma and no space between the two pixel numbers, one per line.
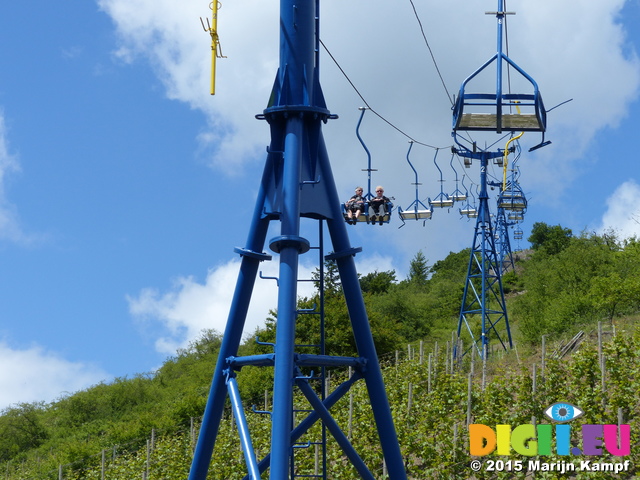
(379,191)
(359,190)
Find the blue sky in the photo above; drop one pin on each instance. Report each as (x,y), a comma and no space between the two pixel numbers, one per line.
(124,186)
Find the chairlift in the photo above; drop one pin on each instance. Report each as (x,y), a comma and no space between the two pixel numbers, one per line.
(517,234)
(512,199)
(442,200)
(515,171)
(416,210)
(457,195)
(495,111)
(469,211)
(366,215)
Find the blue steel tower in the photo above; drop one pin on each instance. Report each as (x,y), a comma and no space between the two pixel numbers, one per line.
(483,297)
(297,182)
(483,311)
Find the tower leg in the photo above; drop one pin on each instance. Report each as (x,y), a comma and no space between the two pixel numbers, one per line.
(287,299)
(251,258)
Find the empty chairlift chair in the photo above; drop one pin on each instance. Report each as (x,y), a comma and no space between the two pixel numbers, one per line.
(457,195)
(517,234)
(442,200)
(469,211)
(416,210)
(495,111)
(512,199)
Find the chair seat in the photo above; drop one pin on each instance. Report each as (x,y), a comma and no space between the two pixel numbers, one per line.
(510,122)
(415,215)
(442,203)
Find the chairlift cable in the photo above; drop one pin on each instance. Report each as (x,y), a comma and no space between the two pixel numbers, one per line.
(506,46)
(435,64)
(398,129)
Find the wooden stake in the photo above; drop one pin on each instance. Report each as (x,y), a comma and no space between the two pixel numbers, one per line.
(544,355)
(429,374)
(469,392)
(484,366)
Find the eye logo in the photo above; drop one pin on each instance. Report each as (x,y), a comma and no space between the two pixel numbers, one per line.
(563,412)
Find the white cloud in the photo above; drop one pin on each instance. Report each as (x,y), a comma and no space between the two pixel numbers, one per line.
(374,263)
(569,62)
(623,211)
(36,374)
(191,306)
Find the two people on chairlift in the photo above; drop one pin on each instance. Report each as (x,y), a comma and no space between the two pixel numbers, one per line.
(377,206)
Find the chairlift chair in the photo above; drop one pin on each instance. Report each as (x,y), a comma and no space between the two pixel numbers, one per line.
(512,200)
(441,200)
(365,216)
(517,234)
(468,210)
(494,112)
(416,209)
(457,195)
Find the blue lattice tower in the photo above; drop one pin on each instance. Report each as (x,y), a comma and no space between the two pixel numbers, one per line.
(483,311)
(297,182)
(503,243)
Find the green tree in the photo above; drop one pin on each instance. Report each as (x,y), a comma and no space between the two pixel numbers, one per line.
(418,270)
(613,293)
(377,282)
(21,428)
(618,291)
(331,278)
(551,239)
(559,294)
(208,342)
(452,267)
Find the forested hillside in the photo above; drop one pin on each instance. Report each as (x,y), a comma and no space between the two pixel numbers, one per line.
(566,284)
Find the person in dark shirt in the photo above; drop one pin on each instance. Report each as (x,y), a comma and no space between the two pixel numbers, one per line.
(355,206)
(377,206)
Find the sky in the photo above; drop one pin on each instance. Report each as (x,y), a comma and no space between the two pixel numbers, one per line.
(125,186)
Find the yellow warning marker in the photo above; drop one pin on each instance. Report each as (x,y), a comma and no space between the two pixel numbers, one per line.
(506,154)
(216,50)
(506,160)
